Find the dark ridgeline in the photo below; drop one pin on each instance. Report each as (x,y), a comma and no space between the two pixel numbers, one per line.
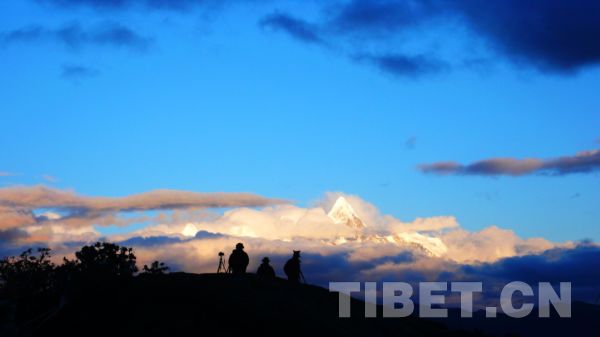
(99,294)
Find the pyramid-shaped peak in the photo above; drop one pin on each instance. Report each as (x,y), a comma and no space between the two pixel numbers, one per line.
(342,203)
(343,213)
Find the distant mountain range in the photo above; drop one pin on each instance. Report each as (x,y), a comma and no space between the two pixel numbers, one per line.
(342,213)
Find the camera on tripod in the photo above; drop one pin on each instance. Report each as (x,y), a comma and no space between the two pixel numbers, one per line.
(222,268)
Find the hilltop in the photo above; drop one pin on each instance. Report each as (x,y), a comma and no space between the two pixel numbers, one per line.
(181,304)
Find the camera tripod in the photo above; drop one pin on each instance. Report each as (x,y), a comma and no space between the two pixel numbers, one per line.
(222,268)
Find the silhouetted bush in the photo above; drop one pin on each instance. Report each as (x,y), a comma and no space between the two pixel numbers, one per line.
(156,268)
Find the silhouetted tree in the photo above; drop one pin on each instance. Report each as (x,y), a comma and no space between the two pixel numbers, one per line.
(105,259)
(27,274)
(38,289)
(156,268)
(28,281)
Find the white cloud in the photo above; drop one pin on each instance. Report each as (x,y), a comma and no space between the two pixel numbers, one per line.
(57,233)
(310,228)
(387,247)
(491,244)
(436,223)
(189,230)
(424,249)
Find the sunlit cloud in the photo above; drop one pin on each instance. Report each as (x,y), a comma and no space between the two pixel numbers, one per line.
(427,248)
(582,162)
(382,235)
(18,205)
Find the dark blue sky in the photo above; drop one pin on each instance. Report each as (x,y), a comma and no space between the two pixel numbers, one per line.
(293,99)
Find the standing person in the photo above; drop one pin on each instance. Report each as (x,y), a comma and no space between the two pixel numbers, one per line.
(292,268)
(238,260)
(265,271)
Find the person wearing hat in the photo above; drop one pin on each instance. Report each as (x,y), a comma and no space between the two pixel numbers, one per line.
(265,271)
(238,260)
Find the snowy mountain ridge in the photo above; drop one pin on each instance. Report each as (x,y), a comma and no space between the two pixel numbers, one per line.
(343,213)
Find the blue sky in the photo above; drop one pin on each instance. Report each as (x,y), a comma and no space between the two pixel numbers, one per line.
(210,100)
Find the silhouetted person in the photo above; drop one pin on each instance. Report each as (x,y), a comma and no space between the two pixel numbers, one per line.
(238,260)
(265,271)
(292,268)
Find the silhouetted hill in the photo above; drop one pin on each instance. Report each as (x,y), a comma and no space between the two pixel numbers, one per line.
(180,304)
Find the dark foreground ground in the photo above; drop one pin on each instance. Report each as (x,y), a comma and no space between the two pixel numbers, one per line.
(180,304)
(584,322)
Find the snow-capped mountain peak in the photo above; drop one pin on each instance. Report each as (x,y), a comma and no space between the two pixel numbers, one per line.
(343,213)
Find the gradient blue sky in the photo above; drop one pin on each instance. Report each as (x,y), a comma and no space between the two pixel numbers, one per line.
(215,102)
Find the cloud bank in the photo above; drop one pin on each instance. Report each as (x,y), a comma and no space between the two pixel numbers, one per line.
(582,162)
(432,248)
(551,36)
(388,249)
(18,205)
